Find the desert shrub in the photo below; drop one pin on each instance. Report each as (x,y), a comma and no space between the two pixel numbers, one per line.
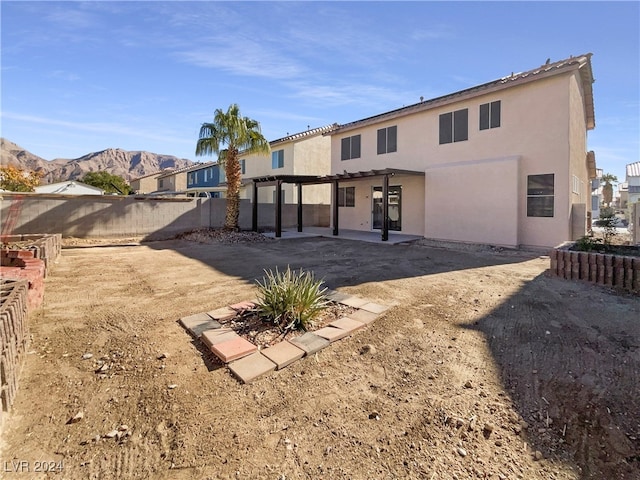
(608,222)
(588,244)
(290,299)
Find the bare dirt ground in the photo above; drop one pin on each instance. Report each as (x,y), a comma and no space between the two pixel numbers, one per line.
(484,367)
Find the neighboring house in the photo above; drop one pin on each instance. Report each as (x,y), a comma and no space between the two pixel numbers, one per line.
(70,187)
(147,183)
(596,194)
(203,180)
(512,152)
(632,179)
(300,154)
(172,180)
(622,199)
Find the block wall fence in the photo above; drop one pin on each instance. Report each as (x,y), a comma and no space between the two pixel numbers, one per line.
(93,216)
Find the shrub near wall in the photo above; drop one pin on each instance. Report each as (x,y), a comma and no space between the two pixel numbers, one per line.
(616,271)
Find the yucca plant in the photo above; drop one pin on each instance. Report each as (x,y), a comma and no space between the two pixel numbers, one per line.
(290,299)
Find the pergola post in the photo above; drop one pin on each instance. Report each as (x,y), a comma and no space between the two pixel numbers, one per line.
(385,208)
(300,207)
(254,208)
(278,208)
(335,207)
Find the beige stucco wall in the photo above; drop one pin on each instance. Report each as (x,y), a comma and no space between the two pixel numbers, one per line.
(480,211)
(537,125)
(145,185)
(304,156)
(360,216)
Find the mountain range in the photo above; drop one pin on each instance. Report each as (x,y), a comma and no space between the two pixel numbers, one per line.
(125,164)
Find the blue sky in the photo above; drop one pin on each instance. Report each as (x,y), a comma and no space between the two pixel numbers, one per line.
(79,77)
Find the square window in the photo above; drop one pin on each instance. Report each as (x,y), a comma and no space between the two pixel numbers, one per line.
(350,147)
(454,126)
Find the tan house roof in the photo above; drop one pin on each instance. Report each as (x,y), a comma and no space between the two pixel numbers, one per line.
(581,62)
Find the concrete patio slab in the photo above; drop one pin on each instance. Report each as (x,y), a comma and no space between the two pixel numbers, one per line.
(211,337)
(310,342)
(233,349)
(249,368)
(332,333)
(374,307)
(363,316)
(221,314)
(283,354)
(348,324)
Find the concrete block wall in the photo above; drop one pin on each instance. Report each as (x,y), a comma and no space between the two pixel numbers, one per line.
(14,338)
(91,216)
(616,271)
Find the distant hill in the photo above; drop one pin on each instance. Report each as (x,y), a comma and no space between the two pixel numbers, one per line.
(128,165)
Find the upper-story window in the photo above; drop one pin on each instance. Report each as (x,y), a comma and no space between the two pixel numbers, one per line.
(490,115)
(206,174)
(454,126)
(243,166)
(277,159)
(388,140)
(161,183)
(190,178)
(350,147)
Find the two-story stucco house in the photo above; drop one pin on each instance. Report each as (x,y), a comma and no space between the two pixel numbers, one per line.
(203,180)
(502,163)
(304,153)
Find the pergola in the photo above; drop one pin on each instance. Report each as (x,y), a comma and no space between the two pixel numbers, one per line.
(300,180)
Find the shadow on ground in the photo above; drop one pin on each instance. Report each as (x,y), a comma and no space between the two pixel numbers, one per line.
(574,378)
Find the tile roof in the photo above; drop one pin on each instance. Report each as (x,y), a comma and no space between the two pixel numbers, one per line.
(161,172)
(581,62)
(175,172)
(306,133)
(633,169)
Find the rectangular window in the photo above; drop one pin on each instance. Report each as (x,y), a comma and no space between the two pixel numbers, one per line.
(190,179)
(161,183)
(387,140)
(540,195)
(206,173)
(490,115)
(347,197)
(282,192)
(277,159)
(243,166)
(575,185)
(350,148)
(454,127)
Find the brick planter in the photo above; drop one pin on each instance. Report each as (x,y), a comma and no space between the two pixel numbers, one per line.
(615,271)
(14,337)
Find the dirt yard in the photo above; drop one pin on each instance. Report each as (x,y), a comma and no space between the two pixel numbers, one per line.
(484,368)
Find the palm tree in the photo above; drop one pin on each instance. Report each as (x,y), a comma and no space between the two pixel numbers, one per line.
(227,136)
(607,189)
